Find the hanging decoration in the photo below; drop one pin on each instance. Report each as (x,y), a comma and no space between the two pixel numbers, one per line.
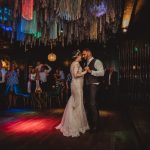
(69,9)
(52,57)
(93,29)
(53,29)
(98,10)
(64,21)
(4,14)
(27,9)
(6,28)
(29,27)
(20,35)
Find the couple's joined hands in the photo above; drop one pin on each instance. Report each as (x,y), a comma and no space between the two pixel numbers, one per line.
(88,70)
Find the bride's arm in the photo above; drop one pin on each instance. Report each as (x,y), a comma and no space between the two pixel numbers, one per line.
(76,72)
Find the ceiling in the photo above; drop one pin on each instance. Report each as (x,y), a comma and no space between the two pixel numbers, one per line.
(37,22)
(140,22)
(138,27)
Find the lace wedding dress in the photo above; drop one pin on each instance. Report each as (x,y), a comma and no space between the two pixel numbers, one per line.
(74,119)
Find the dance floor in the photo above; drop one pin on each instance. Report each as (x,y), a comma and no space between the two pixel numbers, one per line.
(25,129)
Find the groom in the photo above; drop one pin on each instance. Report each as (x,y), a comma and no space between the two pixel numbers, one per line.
(92,81)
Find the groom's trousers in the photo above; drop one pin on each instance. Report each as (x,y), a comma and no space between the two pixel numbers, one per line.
(91,105)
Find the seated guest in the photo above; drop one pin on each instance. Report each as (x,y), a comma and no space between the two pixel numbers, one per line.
(111,82)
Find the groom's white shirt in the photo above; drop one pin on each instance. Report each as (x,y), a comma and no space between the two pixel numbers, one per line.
(99,68)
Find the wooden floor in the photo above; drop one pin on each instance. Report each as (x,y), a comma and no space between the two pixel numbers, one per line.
(25,129)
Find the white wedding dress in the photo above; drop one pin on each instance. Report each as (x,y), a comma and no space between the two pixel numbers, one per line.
(74,120)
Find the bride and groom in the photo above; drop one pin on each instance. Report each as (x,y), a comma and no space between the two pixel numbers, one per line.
(75,119)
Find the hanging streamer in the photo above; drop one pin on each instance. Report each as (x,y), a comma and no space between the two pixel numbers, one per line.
(27,9)
(29,27)
(70,10)
(53,29)
(61,20)
(20,35)
(93,29)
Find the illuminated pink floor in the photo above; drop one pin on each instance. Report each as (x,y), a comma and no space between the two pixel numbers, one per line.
(28,123)
(22,129)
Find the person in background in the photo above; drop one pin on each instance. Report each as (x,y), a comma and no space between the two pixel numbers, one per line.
(111,84)
(46,67)
(12,80)
(2,83)
(62,81)
(68,85)
(62,75)
(32,80)
(57,74)
(38,66)
(43,74)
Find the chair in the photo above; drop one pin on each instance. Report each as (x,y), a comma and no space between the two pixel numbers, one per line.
(18,92)
(54,93)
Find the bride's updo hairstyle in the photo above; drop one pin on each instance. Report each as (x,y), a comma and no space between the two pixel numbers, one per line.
(75,54)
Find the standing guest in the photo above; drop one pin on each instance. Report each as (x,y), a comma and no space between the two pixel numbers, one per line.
(57,74)
(2,78)
(62,83)
(111,83)
(46,67)
(32,80)
(62,75)
(43,74)
(12,81)
(38,66)
(2,82)
(68,85)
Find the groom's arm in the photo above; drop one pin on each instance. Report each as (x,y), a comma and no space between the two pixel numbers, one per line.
(99,69)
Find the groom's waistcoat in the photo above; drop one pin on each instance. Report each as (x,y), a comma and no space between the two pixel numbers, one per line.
(89,79)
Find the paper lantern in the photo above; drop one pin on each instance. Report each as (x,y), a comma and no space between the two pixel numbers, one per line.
(51,57)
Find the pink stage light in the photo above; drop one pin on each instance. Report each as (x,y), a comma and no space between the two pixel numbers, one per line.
(30,126)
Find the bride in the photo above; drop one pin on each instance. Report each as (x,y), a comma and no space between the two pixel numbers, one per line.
(74,119)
